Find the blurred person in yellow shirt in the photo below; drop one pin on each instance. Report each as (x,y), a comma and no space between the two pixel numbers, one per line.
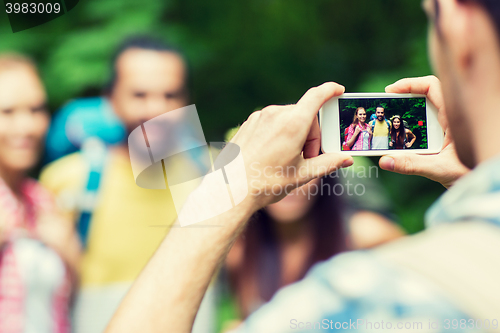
(121,224)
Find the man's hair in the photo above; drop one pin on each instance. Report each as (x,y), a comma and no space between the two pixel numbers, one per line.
(143,43)
(492,7)
(380,107)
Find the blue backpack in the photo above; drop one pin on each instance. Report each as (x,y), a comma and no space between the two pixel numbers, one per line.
(88,125)
(79,120)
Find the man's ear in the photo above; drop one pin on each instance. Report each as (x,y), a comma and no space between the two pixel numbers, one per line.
(469,34)
(457,31)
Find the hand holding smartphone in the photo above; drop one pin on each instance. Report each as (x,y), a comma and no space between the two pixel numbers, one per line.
(376,124)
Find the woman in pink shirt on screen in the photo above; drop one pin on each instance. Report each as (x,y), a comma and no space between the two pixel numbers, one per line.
(359,133)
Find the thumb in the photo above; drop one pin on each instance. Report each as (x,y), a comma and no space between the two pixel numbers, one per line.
(324,165)
(407,164)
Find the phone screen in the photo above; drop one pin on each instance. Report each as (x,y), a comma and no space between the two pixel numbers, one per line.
(383,123)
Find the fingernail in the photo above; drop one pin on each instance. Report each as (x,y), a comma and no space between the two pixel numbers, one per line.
(347,163)
(387,163)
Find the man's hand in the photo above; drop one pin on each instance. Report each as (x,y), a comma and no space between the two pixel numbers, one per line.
(167,294)
(280,146)
(444,167)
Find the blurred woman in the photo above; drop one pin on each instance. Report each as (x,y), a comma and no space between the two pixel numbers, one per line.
(284,240)
(39,250)
(359,132)
(401,137)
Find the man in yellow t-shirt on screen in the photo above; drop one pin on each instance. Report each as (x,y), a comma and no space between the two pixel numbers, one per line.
(381,129)
(127,222)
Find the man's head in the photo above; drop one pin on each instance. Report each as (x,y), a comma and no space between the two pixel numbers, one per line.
(24,118)
(380,113)
(149,78)
(464,48)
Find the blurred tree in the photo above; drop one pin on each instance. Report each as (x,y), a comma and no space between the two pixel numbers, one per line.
(244,54)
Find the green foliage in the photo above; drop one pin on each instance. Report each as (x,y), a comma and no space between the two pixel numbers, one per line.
(243,54)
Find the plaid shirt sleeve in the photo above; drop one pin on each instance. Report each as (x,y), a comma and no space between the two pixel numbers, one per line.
(355,291)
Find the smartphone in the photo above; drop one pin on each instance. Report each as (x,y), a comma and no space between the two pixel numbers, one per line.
(376,124)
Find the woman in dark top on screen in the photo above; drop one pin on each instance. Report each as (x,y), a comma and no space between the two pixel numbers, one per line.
(401,137)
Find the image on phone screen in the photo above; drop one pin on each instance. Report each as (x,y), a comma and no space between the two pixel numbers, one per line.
(368,124)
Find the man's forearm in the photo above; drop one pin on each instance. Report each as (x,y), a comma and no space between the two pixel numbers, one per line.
(167,294)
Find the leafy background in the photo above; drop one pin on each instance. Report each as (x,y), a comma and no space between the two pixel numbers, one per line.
(411,109)
(245,55)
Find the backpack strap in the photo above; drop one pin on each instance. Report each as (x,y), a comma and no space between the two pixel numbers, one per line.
(388,124)
(346,132)
(462,258)
(94,152)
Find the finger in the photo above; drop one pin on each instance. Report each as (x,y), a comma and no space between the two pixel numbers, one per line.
(309,105)
(407,164)
(416,85)
(427,85)
(307,109)
(444,168)
(313,141)
(324,165)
